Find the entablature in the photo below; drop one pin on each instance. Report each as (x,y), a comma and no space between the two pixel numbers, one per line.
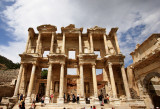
(114,59)
(149,59)
(57,58)
(89,58)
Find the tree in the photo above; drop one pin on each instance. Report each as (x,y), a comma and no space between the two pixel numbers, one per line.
(44,74)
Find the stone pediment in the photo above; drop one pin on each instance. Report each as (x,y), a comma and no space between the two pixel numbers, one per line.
(71,28)
(96,29)
(47,28)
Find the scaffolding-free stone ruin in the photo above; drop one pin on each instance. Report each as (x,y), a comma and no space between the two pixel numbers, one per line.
(84,53)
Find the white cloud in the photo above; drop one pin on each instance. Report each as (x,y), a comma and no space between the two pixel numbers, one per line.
(124,14)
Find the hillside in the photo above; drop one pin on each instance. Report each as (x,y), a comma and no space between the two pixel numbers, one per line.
(7,64)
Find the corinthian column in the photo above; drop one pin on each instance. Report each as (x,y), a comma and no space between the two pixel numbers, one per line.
(125,82)
(18,81)
(82,97)
(95,84)
(63,43)
(47,97)
(52,43)
(61,99)
(91,42)
(38,42)
(105,78)
(80,43)
(112,81)
(105,44)
(28,99)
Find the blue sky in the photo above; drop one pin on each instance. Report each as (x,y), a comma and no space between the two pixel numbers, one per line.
(136,19)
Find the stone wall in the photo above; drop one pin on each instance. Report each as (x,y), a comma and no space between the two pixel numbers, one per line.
(7,82)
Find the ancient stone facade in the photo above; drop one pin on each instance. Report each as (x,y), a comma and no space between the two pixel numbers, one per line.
(144,73)
(90,52)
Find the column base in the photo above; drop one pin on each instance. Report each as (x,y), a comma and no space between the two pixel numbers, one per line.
(47,99)
(28,100)
(82,101)
(129,99)
(60,100)
(15,97)
(96,100)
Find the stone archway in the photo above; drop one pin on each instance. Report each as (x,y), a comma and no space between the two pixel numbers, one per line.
(150,85)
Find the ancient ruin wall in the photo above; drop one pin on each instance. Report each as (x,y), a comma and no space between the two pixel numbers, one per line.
(7,82)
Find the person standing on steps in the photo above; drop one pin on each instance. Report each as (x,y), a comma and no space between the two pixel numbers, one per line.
(64,97)
(51,98)
(42,101)
(78,98)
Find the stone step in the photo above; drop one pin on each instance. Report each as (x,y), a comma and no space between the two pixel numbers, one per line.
(67,106)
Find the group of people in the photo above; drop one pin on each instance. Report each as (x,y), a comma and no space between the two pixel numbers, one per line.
(94,107)
(21,102)
(103,99)
(71,97)
(68,98)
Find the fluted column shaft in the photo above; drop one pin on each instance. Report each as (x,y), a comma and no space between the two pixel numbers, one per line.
(31,83)
(112,81)
(63,43)
(94,81)
(38,42)
(105,44)
(91,42)
(125,82)
(49,76)
(80,43)
(61,81)
(18,81)
(81,80)
(52,43)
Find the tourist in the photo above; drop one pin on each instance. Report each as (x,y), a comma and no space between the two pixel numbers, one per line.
(78,98)
(68,97)
(94,107)
(102,104)
(64,97)
(73,98)
(37,97)
(100,99)
(91,107)
(42,101)
(21,97)
(107,98)
(22,104)
(51,98)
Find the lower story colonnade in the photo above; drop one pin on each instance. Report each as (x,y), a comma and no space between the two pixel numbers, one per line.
(85,83)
